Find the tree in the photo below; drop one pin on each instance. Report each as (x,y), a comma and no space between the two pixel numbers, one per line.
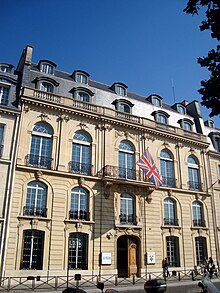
(210,90)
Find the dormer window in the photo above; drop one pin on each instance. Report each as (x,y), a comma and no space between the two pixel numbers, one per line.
(46,84)
(181,109)
(5,67)
(215,138)
(81,76)
(82,94)
(122,105)
(47,67)
(186,124)
(161,117)
(119,88)
(156,100)
(210,123)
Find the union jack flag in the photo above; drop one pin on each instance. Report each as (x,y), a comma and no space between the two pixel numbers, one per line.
(147,164)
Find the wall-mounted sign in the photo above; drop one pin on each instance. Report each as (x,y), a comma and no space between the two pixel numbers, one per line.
(106,258)
(151,258)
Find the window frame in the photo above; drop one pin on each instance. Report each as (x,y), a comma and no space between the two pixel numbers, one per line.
(167,168)
(126,160)
(29,248)
(170,212)
(173,254)
(201,249)
(193,173)
(127,209)
(79,204)
(4,96)
(75,255)
(198,214)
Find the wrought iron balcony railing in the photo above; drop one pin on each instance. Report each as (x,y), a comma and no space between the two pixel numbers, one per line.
(122,173)
(171,222)
(35,211)
(128,219)
(39,161)
(80,168)
(199,223)
(79,215)
(194,185)
(169,181)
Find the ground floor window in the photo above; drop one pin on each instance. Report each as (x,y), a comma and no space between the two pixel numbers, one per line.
(172,243)
(32,252)
(201,249)
(78,247)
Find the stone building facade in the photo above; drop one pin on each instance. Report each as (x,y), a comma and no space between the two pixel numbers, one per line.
(80,202)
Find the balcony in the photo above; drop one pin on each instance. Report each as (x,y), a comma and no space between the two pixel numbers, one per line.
(171,222)
(122,173)
(39,161)
(169,181)
(1,150)
(193,185)
(128,219)
(199,223)
(35,211)
(128,117)
(80,168)
(79,215)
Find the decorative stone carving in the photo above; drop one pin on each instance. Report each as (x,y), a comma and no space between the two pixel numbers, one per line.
(34,223)
(38,174)
(44,117)
(106,186)
(26,108)
(170,192)
(81,181)
(83,125)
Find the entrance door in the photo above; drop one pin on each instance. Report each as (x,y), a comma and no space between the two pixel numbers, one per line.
(127,256)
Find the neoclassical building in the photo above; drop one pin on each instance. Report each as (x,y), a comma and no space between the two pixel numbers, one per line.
(80,202)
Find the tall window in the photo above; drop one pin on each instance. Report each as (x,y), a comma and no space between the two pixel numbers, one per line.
(201,249)
(167,168)
(41,146)
(79,204)
(170,212)
(127,215)
(82,78)
(78,247)
(36,199)
(2,127)
(126,161)
(46,87)
(173,251)
(120,90)
(198,214)
(81,96)
(4,95)
(47,68)
(193,173)
(33,249)
(81,154)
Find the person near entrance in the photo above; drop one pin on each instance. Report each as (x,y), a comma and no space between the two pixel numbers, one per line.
(165,265)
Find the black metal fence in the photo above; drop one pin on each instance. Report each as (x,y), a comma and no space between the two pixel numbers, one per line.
(59,283)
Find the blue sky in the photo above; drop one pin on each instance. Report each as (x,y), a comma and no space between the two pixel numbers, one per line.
(148,45)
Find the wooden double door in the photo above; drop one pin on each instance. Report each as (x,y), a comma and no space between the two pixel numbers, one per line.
(128,256)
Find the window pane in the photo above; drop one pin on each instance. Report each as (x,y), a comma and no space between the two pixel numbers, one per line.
(4,95)
(78,247)
(79,204)
(33,243)
(36,199)
(201,249)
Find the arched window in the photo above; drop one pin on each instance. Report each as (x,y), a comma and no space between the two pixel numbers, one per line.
(33,250)
(82,96)
(173,251)
(156,101)
(127,215)
(81,154)
(181,109)
(82,78)
(170,212)
(79,209)
(120,90)
(78,251)
(193,173)
(46,87)
(161,118)
(36,199)
(201,249)
(198,214)
(167,168)
(41,146)
(126,160)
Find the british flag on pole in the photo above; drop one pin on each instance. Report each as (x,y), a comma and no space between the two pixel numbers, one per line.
(147,164)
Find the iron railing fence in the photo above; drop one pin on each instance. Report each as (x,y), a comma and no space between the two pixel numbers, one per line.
(59,283)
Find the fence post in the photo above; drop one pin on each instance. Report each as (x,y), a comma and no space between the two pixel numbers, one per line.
(116,280)
(33,284)
(149,276)
(56,282)
(133,279)
(9,283)
(179,276)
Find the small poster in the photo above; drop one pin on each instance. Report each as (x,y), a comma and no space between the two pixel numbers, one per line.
(106,258)
(151,258)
